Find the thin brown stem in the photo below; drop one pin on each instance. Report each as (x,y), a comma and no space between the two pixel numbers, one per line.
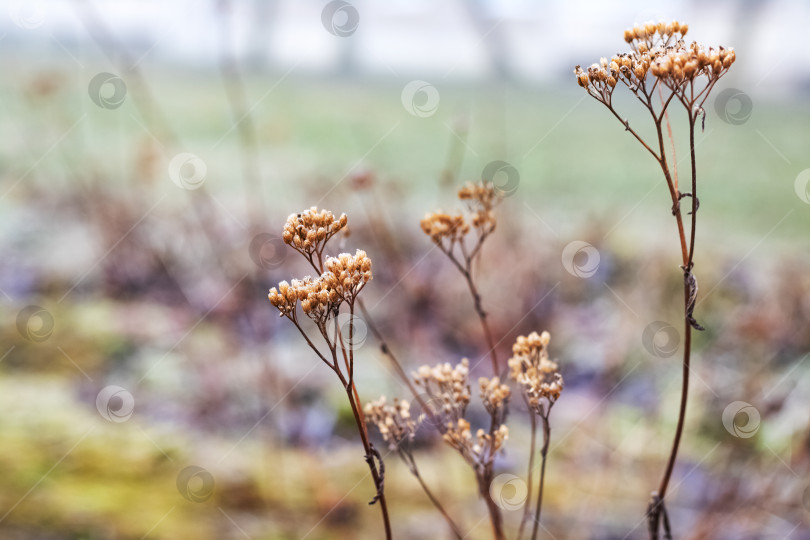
(662,489)
(687,323)
(482,316)
(529,476)
(636,135)
(357,412)
(312,345)
(665,115)
(495,517)
(386,350)
(692,118)
(543,454)
(351,392)
(687,251)
(411,463)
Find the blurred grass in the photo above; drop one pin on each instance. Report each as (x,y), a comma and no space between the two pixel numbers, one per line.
(573,156)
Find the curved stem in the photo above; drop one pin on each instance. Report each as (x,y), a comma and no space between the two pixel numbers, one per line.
(529,476)
(687,323)
(687,251)
(495,517)
(482,316)
(662,489)
(692,119)
(386,350)
(543,453)
(361,427)
(636,135)
(411,463)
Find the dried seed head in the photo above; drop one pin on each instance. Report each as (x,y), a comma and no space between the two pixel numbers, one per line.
(393,420)
(347,274)
(481,199)
(629,36)
(494,395)
(308,231)
(321,297)
(538,376)
(441,227)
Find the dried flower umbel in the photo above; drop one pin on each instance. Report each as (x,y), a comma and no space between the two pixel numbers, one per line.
(541,385)
(449,395)
(659,61)
(321,299)
(398,428)
(450,233)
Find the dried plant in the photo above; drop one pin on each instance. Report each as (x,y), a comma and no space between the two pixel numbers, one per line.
(449,233)
(660,61)
(321,299)
(398,428)
(541,385)
(442,391)
(449,394)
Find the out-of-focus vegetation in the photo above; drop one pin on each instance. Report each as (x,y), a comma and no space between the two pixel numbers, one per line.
(153,288)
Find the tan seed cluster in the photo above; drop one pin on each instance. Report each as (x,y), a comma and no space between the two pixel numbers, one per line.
(685,63)
(495,395)
(441,227)
(321,297)
(309,230)
(448,390)
(650,32)
(538,376)
(393,420)
(652,53)
(477,451)
(481,198)
(350,273)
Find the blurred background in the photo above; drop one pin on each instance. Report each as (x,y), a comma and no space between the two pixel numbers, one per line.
(152,150)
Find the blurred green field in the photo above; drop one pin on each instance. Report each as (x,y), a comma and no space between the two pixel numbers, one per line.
(570,152)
